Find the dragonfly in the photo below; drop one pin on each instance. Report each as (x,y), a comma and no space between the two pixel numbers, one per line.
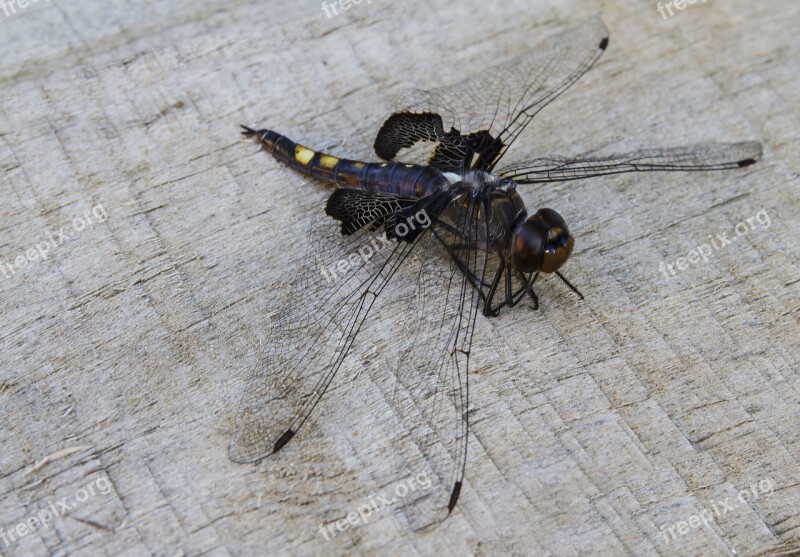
(440,218)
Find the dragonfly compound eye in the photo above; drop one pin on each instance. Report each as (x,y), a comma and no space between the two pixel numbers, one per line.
(541,243)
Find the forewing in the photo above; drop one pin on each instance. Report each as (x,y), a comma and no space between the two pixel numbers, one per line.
(707,156)
(471,124)
(309,337)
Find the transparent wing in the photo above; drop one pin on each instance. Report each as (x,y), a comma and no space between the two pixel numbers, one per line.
(432,387)
(308,340)
(707,156)
(486,113)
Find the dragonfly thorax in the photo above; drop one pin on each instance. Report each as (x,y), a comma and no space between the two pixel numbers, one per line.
(539,243)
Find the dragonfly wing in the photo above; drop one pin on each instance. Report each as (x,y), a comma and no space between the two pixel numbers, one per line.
(469,125)
(431,386)
(707,156)
(308,340)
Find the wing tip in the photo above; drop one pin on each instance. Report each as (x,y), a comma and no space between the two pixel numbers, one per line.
(240,457)
(234,456)
(241,452)
(757,151)
(454,497)
(599,25)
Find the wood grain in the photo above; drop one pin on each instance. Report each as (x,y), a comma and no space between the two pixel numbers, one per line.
(596,425)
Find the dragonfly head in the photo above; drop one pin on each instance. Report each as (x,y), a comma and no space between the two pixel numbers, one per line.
(541,243)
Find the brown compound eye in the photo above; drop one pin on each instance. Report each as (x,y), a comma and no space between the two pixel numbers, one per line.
(542,243)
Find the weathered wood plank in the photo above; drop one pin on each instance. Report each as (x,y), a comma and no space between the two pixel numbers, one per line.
(598,426)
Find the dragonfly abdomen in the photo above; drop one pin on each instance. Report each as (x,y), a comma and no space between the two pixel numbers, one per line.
(398,178)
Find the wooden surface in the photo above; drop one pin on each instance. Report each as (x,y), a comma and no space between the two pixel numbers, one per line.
(597,425)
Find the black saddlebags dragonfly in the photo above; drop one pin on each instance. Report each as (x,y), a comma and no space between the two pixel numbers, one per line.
(440,207)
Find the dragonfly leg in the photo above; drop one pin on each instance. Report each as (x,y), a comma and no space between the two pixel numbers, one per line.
(528,288)
(487,306)
(470,275)
(512,298)
(570,285)
(509,288)
(530,291)
(464,246)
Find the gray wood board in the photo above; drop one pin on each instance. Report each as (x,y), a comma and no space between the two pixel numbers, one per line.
(598,425)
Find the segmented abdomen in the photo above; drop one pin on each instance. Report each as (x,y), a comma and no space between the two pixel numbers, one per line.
(402,179)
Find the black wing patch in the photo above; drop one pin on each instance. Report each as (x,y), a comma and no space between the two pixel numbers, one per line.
(448,151)
(356,208)
(402,218)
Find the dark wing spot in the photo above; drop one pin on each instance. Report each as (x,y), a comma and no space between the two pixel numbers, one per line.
(454,497)
(604,43)
(746,162)
(283,440)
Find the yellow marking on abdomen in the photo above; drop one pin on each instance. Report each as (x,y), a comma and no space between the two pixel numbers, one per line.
(328,161)
(303,155)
